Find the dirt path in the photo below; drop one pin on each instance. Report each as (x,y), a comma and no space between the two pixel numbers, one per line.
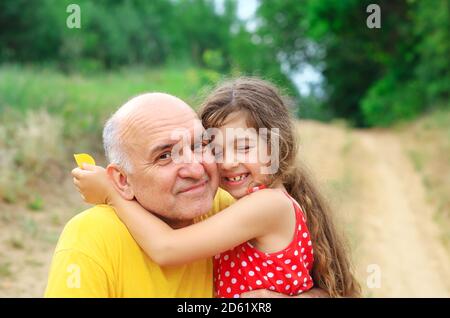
(390,222)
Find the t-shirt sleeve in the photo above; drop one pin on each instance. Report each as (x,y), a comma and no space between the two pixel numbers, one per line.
(74,274)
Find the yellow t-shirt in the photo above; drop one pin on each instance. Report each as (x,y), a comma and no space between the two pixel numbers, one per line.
(96,256)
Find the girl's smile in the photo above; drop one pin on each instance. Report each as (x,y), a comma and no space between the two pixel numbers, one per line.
(235,180)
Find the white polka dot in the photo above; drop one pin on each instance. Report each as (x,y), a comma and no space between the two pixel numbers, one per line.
(306,264)
(309,243)
(257,268)
(305,280)
(232,264)
(302,250)
(300,243)
(279,282)
(265,277)
(294,267)
(251,273)
(269,262)
(250,259)
(233,280)
(220,283)
(264,264)
(256,255)
(288,275)
(258,282)
(243,248)
(238,256)
(305,234)
(226,257)
(244,263)
(299,227)
(242,287)
(272,287)
(279,268)
(236,296)
(229,290)
(287,261)
(304,285)
(299,274)
(295,282)
(280,255)
(227,274)
(250,288)
(287,287)
(270,274)
(296,253)
(304,257)
(239,271)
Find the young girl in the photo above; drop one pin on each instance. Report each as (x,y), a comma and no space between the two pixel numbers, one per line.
(278,235)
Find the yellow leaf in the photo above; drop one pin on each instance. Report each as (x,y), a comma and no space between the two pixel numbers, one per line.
(81,158)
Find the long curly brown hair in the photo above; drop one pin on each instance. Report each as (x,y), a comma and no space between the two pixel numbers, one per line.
(267,108)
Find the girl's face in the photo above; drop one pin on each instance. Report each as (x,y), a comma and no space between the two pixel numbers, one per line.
(237,155)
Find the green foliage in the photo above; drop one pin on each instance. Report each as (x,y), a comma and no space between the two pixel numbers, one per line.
(37,203)
(372,76)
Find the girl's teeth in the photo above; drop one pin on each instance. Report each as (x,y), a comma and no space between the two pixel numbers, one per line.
(238,178)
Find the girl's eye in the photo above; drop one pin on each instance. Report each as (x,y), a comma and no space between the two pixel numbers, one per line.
(245,148)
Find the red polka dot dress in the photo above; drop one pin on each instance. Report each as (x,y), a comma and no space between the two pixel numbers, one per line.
(245,268)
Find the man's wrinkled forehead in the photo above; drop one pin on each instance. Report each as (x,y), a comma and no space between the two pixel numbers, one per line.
(150,119)
(189,132)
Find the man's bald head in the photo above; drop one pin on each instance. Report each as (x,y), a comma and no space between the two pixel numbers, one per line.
(139,140)
(131,117)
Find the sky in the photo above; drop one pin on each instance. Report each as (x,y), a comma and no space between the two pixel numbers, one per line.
(302,78)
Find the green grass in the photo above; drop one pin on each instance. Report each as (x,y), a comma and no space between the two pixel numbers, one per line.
(85,100)
(46,115)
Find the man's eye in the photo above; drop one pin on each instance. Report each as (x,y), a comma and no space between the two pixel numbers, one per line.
(165,156)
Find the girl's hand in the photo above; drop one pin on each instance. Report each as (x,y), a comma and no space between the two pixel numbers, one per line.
(93,184)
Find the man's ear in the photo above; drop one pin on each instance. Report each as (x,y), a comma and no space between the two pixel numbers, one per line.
(120,181)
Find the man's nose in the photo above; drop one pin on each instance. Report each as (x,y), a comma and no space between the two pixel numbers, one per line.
(193,170)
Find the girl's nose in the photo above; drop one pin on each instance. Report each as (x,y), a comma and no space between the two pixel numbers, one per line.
(229,165)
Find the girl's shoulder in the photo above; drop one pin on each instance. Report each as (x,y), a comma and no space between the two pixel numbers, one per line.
(270,200)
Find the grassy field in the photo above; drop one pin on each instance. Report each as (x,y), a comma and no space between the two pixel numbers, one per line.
(389,187)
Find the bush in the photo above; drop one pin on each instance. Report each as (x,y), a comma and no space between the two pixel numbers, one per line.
(387,102)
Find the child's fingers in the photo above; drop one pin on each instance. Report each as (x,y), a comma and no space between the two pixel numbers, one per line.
(76,182)
(89,167)
(77,173)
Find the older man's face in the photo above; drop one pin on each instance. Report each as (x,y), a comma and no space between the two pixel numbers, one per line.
(174,190)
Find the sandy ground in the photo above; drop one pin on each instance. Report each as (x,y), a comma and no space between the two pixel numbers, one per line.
(378,197)
(382,205)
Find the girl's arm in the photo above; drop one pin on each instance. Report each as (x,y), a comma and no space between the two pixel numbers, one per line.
(251,217)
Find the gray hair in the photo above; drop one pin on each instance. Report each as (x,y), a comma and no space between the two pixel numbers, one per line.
(112,142)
